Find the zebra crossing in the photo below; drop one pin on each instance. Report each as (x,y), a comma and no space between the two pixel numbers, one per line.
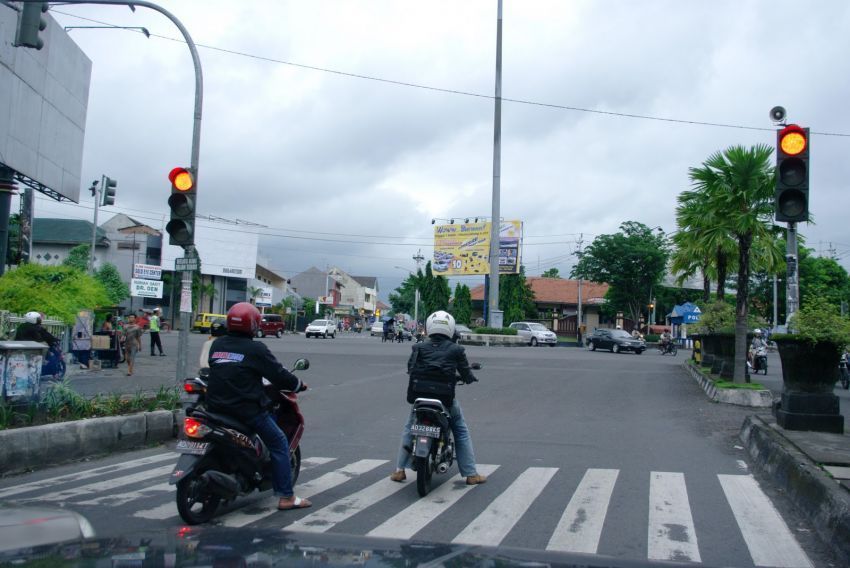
(342,491)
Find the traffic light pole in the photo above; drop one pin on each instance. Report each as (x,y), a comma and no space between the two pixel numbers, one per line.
(792,288)
(96,194)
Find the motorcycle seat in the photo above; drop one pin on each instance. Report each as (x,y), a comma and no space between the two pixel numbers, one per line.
(224,420)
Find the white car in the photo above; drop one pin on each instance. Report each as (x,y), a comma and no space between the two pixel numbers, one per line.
(321,328)
(535,333)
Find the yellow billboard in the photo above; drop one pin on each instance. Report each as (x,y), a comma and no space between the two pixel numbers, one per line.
(463,249)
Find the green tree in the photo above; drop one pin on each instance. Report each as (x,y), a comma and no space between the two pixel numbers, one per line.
(516,298)
(822,277)
(13,244)
(737,188)
(404,298)
(462,304)
(115,287)
(78,257)
(632,263)
(436,293)
(551,273)
(59,291)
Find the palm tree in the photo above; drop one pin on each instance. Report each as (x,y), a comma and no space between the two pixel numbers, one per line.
(737,186)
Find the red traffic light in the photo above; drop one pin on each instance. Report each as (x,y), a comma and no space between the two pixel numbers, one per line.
(181,179)
(793,140)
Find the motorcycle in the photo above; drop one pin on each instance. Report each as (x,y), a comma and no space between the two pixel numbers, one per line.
(399,335)
(669,347)
(432,448)
(844,371)
(759,360)
(221,458)
(53,367)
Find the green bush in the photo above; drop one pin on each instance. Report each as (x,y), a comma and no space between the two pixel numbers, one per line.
(818,321)
(652,338)
(495,330)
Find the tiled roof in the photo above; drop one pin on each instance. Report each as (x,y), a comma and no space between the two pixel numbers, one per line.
(557,291)
(65,232)
(367,281)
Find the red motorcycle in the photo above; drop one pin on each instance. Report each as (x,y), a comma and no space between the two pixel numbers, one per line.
(221,458)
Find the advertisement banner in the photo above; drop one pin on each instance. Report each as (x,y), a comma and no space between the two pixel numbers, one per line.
(141,288)
(463,249)
(264,300)
(147,271)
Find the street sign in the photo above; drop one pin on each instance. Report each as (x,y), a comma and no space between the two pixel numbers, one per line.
(186,263)
(147,271)
(265,298)
(141,288)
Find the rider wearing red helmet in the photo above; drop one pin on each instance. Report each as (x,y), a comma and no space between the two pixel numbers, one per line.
(238,365)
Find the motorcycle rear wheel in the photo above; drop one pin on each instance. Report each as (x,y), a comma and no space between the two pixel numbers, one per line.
(195,503)
(674,350)
(845,379)
(423,475)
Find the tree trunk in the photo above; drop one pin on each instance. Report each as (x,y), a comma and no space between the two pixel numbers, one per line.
(722,262)
(744,244)
(706,287)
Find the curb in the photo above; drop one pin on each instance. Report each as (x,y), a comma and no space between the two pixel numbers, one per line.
(24,449)
(492,340)
(821,499)
(740,397)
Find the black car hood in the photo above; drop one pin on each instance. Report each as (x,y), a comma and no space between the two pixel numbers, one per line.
(220,546)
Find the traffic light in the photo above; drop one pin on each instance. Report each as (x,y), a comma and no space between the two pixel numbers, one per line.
(30,24)
(792,174)
(109,189)
(181,227)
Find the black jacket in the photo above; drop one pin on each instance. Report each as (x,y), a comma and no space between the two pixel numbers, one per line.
(237,367)
(437,360)
(34,332)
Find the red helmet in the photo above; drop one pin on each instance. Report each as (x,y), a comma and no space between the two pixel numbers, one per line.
(243,318)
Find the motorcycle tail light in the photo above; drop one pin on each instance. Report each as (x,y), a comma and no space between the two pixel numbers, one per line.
(194,428)
(192,387)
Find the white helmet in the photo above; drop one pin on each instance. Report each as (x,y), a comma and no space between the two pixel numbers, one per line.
(757,332)
(440,323)
(33,317)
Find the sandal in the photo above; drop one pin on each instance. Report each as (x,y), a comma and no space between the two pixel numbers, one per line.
(398,476)
(297,503)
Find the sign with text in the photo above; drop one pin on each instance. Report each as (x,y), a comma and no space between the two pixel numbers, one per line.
(141,288)
(265,297)
(463,249)
(147,271)
(325,299)
(186,263)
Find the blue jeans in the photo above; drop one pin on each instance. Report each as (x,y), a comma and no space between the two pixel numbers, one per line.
(278,446)
(463,442)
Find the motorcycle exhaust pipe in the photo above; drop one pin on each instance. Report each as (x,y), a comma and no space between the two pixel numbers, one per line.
(442,467)
(221,484)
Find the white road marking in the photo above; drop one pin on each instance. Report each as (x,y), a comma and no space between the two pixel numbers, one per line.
(106,485)
(497,520)
(414,518)
(580,526)
(86,474)
(117,499)
(768,538)
(671,533)
(306,490)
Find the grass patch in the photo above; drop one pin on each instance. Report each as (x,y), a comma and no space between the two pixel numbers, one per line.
(60,403)
(723,383)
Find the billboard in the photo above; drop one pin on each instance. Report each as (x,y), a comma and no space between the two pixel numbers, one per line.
(463,249)
(225,249)
(44,97)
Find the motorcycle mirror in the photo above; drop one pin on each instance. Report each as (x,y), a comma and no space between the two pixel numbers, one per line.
(302,365)
(475,366)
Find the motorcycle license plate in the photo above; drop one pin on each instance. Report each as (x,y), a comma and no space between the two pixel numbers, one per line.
(422,430)
(192,447)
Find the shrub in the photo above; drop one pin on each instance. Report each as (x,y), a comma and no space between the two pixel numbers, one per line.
(495,330)
(818,321)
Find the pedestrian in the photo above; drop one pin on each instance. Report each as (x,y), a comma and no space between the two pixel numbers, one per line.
(132,342)
(386,331)
(142,320)
(107,324)
(154,329)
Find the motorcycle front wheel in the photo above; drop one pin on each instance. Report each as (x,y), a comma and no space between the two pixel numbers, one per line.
(295,463)
(422,466)
(845,379)
(195,503)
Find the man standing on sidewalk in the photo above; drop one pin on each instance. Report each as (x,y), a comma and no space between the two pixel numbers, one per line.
(154,329)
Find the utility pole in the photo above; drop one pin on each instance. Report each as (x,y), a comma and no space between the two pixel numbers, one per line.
(494,314)
(417,258)
(578,316)
(95,191)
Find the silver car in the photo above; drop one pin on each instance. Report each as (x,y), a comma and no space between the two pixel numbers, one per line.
(321,328)
(535,333)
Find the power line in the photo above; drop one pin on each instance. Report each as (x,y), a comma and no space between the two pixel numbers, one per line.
(453,91)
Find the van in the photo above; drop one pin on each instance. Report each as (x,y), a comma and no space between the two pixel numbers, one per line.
(271,324)
(203,321)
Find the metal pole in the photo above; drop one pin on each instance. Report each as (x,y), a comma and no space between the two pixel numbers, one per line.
(97,192)
(791,285)
(27,202)
(494,314)
(775,301)
(7,188)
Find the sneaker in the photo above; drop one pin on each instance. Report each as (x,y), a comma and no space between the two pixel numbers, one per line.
(162,354)
(476,479)
(398,476)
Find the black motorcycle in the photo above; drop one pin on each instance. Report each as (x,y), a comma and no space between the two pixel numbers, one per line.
(222,458)
(759,360)
(844,371)
(433,448)
(669,347)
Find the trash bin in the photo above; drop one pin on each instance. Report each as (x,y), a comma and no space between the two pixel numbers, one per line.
(20,369)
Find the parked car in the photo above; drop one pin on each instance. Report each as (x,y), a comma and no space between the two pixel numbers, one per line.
(271,324)
(462,330)
(535,333)
(321,328)
(616,340)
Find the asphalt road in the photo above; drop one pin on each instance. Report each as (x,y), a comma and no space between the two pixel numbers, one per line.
(621,455)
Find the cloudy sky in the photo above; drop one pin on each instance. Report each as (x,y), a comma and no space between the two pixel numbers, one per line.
(344,127)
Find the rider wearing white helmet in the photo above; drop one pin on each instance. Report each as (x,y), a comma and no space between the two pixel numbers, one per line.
(32,330)
(757,343)
(433,367)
